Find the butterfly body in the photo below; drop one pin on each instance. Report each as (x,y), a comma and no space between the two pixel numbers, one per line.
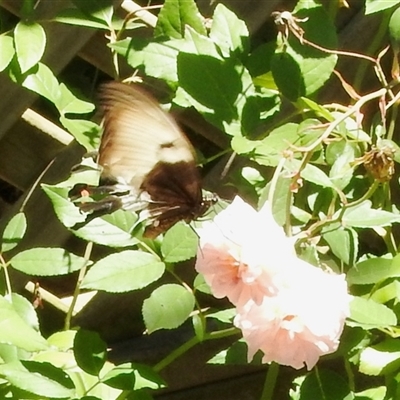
(147,163)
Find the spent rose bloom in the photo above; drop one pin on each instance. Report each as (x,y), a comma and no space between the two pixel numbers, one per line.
(241,252)
(290,310)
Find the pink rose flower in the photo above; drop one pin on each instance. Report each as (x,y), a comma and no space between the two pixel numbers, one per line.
(290,310)
(235,256)
(302,322)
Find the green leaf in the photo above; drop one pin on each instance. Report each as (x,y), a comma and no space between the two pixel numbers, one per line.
(225,316)
(42,81)
(175,15)
(113,230)
(65,209)
(110,230)
(287,76)
(69,103)
(46,261)
(373,6)
(97,10)
(124,271)
(300,69)
(14,232)
(229,32)
(146,377)
(7,51)
(179,244)
(158,58)
(86,133)
(33,382)
(313,174)
(168,307)
(369,315)
(378,393)
(325,384)
(30,42)
(90,351)
(364,216)
(374,270)
(236,354)
(49,371)
(382,359)
(271,149)
(121,377)
(201,285)
(218,77)
(15,331)
(25,310)
(72,16)
(343,243)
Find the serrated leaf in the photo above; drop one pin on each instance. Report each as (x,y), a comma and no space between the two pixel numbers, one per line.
(168,307)
(364,216)
(381,359)
(15,331)
(7,51)
(368,314)
(124,271)
(90,351)
(175,15)
(34,383)
(30,42)
(179,244)
(14,232)
(229,32)
(374,270)
(47,261)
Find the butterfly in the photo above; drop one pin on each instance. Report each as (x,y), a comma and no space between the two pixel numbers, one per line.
(147,163)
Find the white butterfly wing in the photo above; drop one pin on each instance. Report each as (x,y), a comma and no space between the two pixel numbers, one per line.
(138,134)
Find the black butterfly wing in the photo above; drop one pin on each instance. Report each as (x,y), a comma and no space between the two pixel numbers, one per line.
(148,158)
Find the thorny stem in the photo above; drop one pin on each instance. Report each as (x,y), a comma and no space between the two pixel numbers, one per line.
(82,273)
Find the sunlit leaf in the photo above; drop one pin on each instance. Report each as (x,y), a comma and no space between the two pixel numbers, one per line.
(7,51)
(168,307)
(124,271)
(14,232)
(47,261)
(179,244)
(30,42)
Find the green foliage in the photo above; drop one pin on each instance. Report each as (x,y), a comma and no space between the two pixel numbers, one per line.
(325,168)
